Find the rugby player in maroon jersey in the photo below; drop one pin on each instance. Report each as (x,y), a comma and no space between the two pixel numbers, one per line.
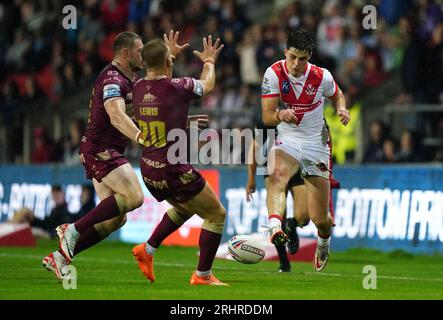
(110,127)
(160,105)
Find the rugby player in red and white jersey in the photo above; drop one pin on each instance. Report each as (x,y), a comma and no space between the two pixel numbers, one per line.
(293,93)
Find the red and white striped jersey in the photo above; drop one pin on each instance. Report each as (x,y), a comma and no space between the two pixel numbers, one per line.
(304,94)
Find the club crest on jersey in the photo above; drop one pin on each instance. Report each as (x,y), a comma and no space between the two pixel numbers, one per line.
(310,90)
(149,98)
(285,87)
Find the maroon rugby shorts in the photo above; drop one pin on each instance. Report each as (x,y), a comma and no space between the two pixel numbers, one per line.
(100,162)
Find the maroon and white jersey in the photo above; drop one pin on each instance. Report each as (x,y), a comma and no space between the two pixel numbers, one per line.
(304,94)
(161,105)
(100,133)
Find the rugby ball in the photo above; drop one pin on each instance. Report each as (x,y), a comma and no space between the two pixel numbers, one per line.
(246,249)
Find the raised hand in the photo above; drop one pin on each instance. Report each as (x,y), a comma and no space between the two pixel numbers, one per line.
(171,42)
(210,51)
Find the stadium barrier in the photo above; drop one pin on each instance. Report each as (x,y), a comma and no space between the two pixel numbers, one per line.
(381,207)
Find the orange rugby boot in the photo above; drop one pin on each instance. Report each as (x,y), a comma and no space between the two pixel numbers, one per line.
(210,280)
(145,261)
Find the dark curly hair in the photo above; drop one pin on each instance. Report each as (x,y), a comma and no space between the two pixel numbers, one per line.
(301,39)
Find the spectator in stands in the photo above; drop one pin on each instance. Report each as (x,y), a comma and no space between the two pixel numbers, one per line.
(389,151)
(410,26)
(409,148)
(87,200)
(114,15)
(46,227)
(70,82)
(15,57)
(247,49)
(374,152)
(43,147)
(373,73)
(268,50)
(434,59)
(71,143)
(431,15)
(414,67)
(330,29)
(138,11)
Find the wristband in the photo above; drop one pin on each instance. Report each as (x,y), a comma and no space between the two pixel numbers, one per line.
(208,60)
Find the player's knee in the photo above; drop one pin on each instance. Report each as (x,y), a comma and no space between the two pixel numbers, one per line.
(321,221)
(215,223)
(218,216)
(134,199)
(222,214)
(279,176)
(138,199)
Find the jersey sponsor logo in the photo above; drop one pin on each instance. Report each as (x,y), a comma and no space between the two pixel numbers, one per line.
(285,87)
(111,91)
(157,184)
(187,177)
(112,73)
(302,108)
(153,163)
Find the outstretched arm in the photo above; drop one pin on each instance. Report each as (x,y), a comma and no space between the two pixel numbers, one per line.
(208,56)
(121,121)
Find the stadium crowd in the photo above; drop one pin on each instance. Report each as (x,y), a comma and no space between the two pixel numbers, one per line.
(41,60)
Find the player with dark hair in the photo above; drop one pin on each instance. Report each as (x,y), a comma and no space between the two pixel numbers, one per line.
(295,186)
(161,104)
(302,142)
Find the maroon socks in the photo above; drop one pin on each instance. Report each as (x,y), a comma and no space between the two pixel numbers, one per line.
(106,209)
(87,239)
(208,242)
(163,229)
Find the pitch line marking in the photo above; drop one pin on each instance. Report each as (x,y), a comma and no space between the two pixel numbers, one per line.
(165,264)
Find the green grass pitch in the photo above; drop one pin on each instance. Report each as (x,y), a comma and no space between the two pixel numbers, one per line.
(108,271)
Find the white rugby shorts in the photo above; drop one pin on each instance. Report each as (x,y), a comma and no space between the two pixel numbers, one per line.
(313,157)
